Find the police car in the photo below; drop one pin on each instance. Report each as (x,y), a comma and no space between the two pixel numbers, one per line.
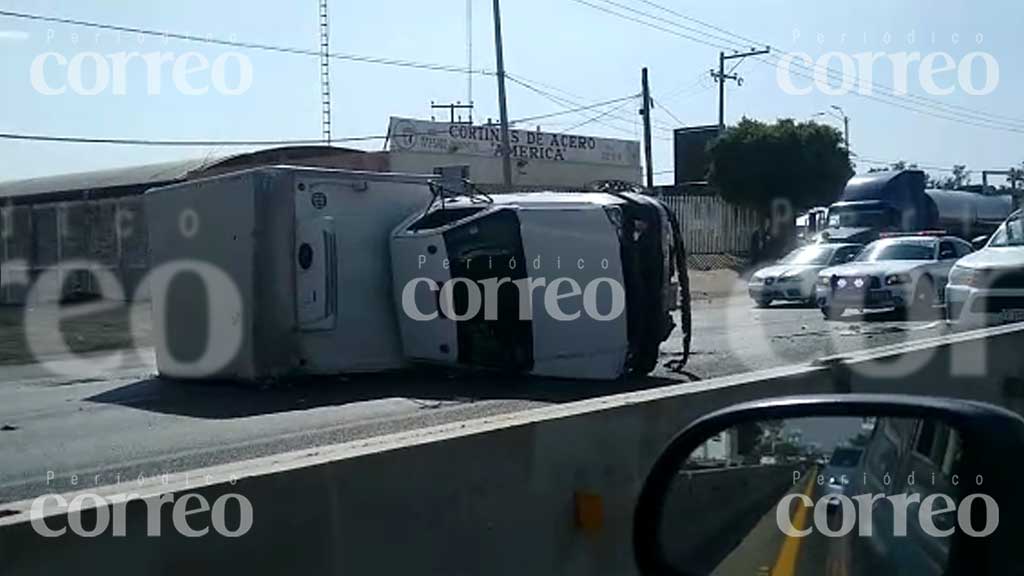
(987,287)
(907,272)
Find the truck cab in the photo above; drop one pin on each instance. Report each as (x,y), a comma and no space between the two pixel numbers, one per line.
(875,204)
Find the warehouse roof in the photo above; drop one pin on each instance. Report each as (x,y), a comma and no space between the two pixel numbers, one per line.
(148,174)
(137,179)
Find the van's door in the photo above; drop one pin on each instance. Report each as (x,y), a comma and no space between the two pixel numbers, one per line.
(315,264)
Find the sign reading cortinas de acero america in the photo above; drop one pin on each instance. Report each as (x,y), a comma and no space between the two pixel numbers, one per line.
(407,135)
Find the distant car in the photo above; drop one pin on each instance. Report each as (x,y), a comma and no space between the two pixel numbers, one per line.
(905,272)
(841,472)
(793,277)
(987,287)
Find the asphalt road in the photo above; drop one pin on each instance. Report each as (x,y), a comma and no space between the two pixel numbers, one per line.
(763,549)
(130,424)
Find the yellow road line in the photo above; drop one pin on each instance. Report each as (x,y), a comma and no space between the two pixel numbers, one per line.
(785,564)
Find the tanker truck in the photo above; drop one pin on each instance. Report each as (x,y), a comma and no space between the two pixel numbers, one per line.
(897,201)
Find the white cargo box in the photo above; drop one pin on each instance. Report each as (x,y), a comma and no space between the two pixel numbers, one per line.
(277,271)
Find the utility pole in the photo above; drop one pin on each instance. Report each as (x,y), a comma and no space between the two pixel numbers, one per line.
(646,112)
(721,76)
(506,148)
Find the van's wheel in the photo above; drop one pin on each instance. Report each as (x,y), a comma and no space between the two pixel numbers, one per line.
(831,313)
(923,306)
(763,303)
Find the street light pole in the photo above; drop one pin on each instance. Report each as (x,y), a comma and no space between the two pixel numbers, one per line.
(841,116)
(846,126)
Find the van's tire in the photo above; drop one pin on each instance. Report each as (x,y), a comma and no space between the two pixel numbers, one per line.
(762,303)
(832,313)
(923,306)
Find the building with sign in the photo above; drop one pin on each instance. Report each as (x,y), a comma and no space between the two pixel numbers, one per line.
(46,223)
(539,159)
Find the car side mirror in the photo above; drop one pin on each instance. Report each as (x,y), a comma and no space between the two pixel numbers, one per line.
(797,485)
(979,242)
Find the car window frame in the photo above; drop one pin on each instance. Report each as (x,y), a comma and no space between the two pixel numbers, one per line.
(952,247)
(844,254)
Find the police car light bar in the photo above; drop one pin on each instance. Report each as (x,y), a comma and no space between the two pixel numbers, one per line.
(928,233)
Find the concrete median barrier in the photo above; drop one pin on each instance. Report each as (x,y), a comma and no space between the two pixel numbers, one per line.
(547,491)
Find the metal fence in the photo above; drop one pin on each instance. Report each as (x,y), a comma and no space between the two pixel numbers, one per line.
(35,239)
(711,225)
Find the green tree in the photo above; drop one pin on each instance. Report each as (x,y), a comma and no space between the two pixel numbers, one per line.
(756,164)
(961,177)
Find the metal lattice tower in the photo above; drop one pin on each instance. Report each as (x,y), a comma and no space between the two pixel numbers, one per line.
(325,74)
(469,57)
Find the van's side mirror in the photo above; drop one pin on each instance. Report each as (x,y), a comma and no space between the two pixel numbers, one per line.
(748,487)
(979,242)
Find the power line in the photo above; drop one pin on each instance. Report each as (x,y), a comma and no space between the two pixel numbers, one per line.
(831,71)
(563,102)
(573,100)
(685,88)
(954,109)
(194,143)
(575,110)
(596,118)
(247,45)
(645,23)
(941,115)
(968,116)
(666,110)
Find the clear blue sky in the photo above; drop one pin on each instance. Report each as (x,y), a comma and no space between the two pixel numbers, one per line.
(560,43)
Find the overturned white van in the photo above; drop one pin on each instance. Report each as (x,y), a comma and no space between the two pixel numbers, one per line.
(569,285)
(277,271)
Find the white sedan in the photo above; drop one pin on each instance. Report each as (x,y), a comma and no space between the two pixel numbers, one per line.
(793,277)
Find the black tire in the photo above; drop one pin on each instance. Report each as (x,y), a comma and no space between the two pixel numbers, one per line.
(923,306)
(831,313)
(761,303)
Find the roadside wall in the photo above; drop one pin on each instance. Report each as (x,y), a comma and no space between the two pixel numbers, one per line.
(494,496)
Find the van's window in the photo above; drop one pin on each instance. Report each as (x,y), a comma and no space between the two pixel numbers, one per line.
(440,218)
